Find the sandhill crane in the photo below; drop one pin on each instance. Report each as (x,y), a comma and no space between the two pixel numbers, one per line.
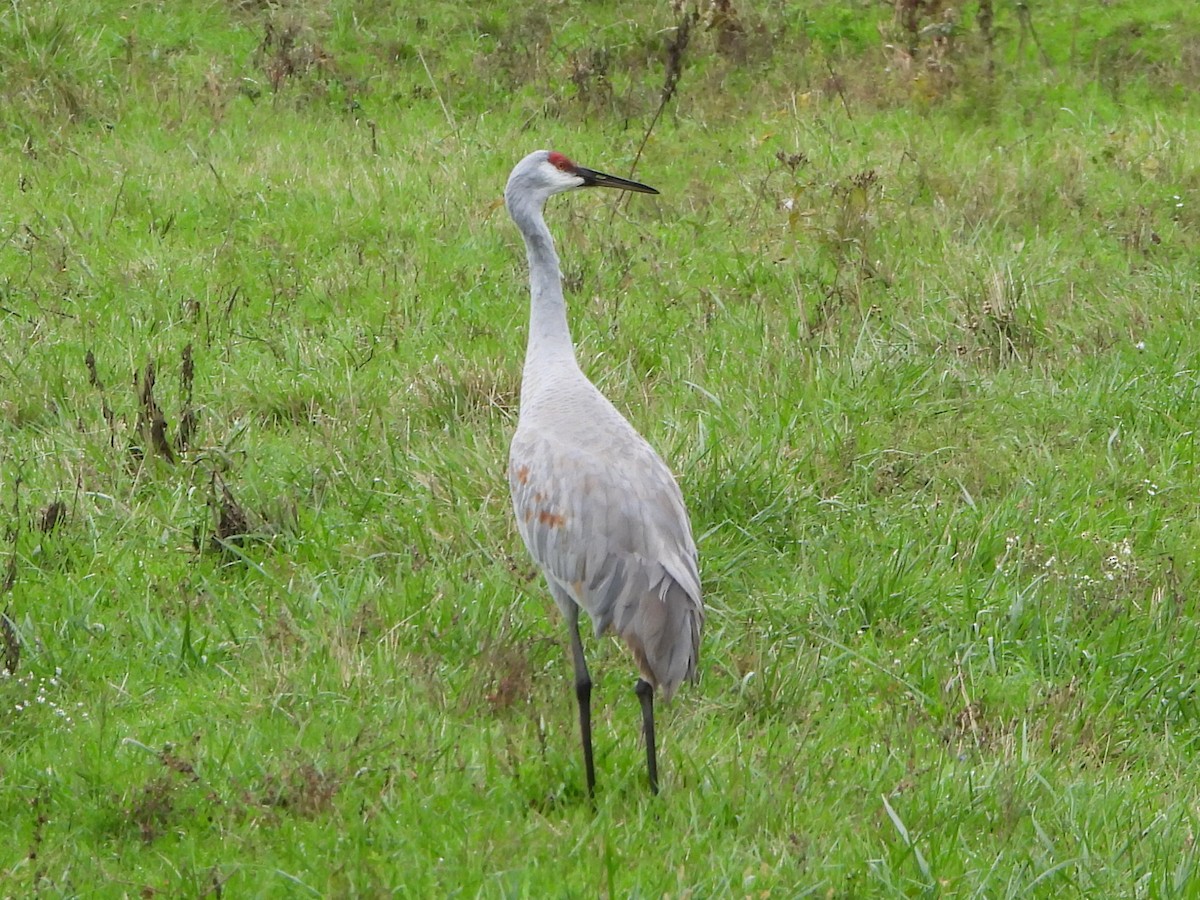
(599,511)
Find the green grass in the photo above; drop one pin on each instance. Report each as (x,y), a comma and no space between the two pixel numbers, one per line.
(921,344)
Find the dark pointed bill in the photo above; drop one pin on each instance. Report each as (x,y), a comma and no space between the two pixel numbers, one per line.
(592,178)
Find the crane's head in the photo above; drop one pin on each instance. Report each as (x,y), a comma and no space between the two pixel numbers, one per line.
(544,173)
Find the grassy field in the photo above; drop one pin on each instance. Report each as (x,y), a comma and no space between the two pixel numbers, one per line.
(916,320)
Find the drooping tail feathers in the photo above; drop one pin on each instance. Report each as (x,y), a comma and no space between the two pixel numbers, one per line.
(662,629)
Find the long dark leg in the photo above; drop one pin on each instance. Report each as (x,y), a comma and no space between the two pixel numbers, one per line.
(583,693)
(645,693)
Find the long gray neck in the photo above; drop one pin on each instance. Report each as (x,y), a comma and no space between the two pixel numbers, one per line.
(549,335)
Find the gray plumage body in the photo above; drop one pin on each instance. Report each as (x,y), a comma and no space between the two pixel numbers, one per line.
(605,521)
(598,509)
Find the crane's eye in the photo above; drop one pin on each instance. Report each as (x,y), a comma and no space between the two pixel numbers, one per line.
(561,163)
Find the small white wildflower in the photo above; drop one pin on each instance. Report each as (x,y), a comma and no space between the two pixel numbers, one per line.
(1141,345)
